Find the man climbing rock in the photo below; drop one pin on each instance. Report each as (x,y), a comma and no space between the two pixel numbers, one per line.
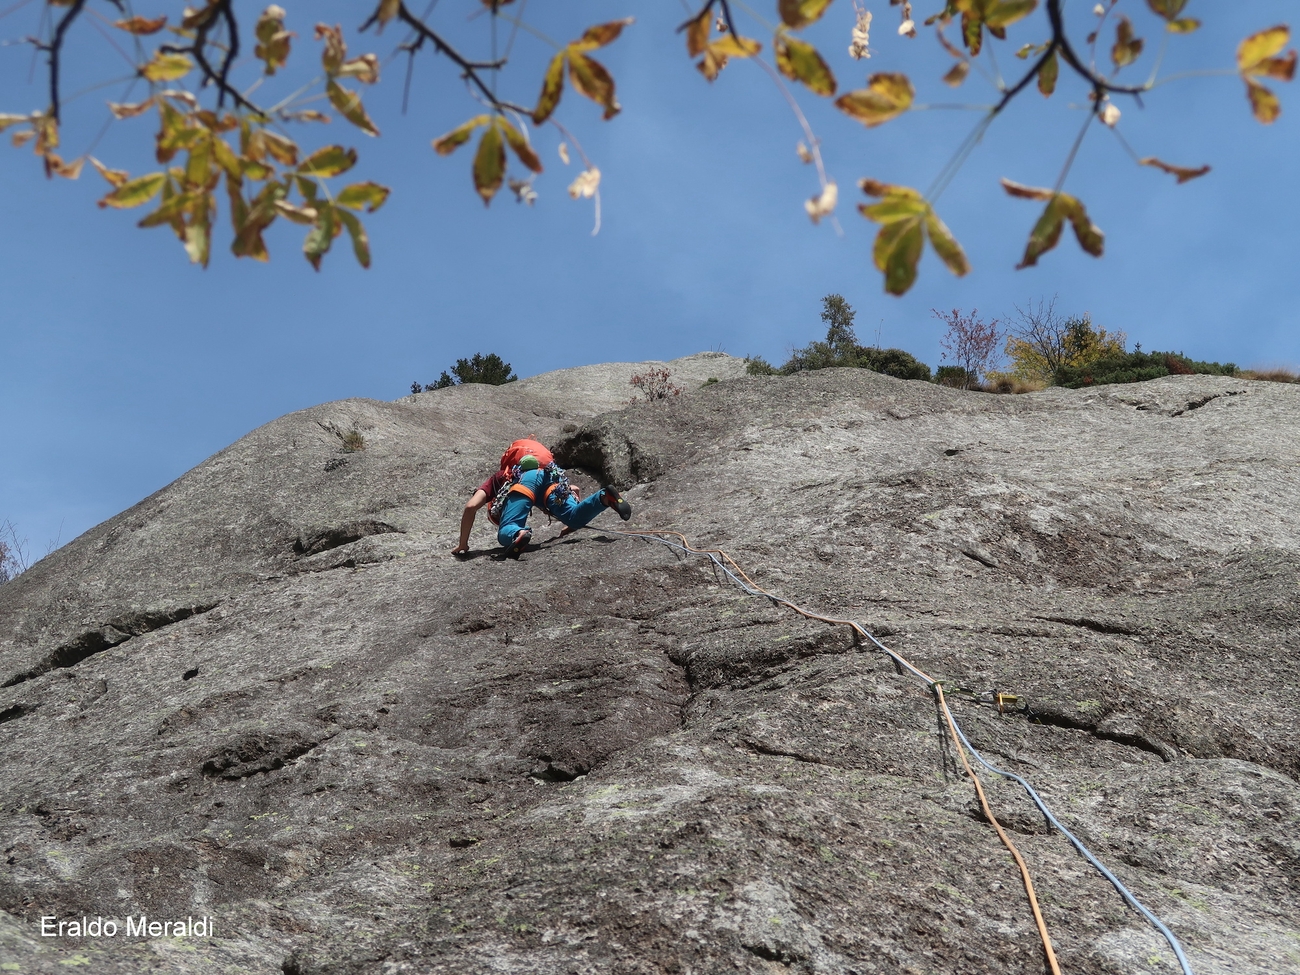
(568,509)
(547,488)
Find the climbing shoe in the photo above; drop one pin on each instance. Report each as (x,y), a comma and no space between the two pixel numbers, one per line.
(522,538)
(610,496)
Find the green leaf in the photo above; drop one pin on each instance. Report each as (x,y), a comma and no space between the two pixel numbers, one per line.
(370,196)
(349,106)
(489,163)
(134,192)
(999,14)
(897,252)
(360,242)
(1048,74)
(552,88)
(799,61)
(1047,231)
(317,242)
(1168,9)
(328,161)
(886,96)
(798,14)
(169,210)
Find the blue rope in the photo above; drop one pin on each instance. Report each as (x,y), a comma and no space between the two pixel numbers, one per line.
(1087,854)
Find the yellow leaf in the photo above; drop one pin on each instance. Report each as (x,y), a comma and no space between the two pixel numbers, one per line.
(1257,47)
(457,137)
(1047,75)
(116,177)
(55,166)
(799,61)
(121,110)
(167,67)
(226,158)
(328,161)
(489,164)
(520,145)
(368,195)
(1168,9)
(141,25)
(886,96)
(1184,25)
(552,88)
(590,78)
(1182,172)
(8,120)
(134,192)
(1263,102)
(999,14)
(600,35)
(945,244)
(349,106)
(697,33)
(798,14)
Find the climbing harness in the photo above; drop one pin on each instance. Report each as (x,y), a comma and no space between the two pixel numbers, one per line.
(557,479)
(737,575)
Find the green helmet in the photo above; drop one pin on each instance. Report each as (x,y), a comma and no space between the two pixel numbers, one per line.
(528,463)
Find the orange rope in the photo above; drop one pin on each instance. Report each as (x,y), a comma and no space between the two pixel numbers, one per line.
(935,686)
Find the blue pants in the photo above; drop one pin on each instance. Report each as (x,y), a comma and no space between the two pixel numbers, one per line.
(574,514)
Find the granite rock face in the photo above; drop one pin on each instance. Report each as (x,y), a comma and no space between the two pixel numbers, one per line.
(267,695)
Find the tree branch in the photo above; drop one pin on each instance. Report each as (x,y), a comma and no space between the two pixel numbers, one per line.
(1062,43)
(470,69)
(56,49)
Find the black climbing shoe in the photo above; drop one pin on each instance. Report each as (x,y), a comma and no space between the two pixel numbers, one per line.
(522,538)
(610,496)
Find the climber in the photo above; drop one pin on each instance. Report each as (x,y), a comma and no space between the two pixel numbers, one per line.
(489,489)
(548,489)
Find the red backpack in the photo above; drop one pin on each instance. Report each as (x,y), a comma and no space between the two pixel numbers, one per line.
(515,452)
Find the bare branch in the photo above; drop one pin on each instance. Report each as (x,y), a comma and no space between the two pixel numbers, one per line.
(56,50)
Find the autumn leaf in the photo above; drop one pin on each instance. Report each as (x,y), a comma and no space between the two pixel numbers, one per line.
(8,120)
(167,67)
(368,196)
(489,163)
(272,39)
(600,35)
(798,14)
(317,243)
(717,53)
(799,61)
(115,177)
(134,192)
(55,166)
(515,139)
(1182,172)
(388,9)
(886,96)
(1127,47)
(1184,25)
(364,68)
(957,74)
(1168,9)
(906,220)
(121,110)
(1257,58)
(304,216)
(360,241)
(336,50)
(590,78)
(141,25)
(552,88)
(1047,231)
(349,106)
(457,137)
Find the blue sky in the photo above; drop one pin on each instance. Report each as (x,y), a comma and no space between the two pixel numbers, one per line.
(124,365)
